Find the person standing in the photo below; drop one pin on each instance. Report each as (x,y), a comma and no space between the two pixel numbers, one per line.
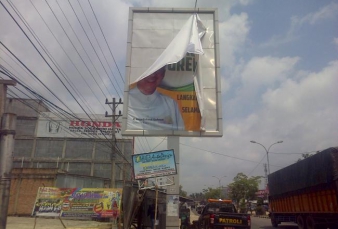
(151,214)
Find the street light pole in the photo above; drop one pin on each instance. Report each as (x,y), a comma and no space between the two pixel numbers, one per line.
(267,152)
(219,185)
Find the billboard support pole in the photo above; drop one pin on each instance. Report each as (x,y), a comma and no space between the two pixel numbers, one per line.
(174,190)
(156,206)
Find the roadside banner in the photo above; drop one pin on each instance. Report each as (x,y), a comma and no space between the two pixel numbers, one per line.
(48,202)
(154,164)
(78,202)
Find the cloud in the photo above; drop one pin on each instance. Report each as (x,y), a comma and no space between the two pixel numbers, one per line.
(299,111)
(257,76)
(268,96)
(315,93)
(335,42)
(233,34)
(298,22)
(267,70)
(326,12)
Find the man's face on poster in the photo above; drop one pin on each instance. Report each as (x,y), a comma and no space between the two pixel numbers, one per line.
(149,84)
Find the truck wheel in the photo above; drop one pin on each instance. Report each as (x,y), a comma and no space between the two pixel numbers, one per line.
(310,223)
(274,222)
(301,223)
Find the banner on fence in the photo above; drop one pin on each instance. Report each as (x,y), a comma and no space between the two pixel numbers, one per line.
(78,202)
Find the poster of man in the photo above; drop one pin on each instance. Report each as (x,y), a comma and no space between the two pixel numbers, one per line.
(171,74)
(150,109)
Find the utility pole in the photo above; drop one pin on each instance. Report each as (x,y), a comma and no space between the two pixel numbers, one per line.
(267,152)
(114,119)
(266,174)
(8,123)
(7,133)
(219,185)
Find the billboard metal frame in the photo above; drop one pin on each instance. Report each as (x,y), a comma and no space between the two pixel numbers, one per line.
(218,121)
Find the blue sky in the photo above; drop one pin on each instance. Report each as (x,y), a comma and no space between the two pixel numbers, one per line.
(279,68)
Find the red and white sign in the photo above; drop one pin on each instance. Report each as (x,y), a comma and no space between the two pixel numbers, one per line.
(98,126)
(261,193)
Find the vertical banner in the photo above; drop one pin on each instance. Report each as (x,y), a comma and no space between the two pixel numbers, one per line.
(173,205)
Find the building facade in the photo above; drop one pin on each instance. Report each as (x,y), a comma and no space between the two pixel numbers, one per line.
(87,156)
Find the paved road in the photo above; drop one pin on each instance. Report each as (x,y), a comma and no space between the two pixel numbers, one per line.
(265,223)
(45,223)
(256,222)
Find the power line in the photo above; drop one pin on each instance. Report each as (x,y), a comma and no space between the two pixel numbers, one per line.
(45,62)
(157,145)
(219,153)
(70,59)
(49,67)
(106,42)
(49,55)
(82,44)
(100,49)
(76,48)
(32,72)
(74,134)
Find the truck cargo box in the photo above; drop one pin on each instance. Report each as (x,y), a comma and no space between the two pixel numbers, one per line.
(321,168)
(306,192)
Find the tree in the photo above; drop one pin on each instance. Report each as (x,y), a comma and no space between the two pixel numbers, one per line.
(211,193)
(197,196)
(243,188)
(306,155)
(182,192)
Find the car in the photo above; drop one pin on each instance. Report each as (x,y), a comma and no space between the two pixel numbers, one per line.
(222,214)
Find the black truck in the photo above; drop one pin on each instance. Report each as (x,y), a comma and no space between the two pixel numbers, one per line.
(221,214)
(306,192)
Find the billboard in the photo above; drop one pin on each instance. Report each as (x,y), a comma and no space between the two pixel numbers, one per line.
(261,193)
(154,164)
(78,202)
(97,126)
(172,73)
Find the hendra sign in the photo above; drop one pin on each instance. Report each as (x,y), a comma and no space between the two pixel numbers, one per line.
(97,127)
(93,124)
